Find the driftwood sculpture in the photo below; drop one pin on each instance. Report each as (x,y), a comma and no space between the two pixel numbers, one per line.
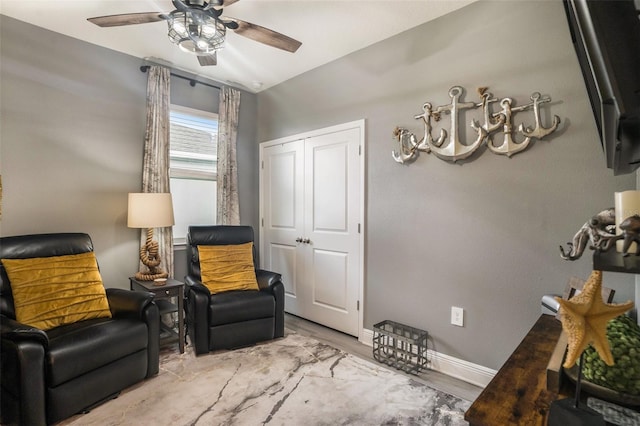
(599,231)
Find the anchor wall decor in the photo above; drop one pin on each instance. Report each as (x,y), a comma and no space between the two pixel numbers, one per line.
(448,145)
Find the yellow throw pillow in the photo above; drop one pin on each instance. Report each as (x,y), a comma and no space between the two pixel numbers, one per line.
(53,291)
(229,267)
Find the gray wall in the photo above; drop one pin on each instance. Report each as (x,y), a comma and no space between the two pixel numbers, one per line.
(71,133)
(482,235)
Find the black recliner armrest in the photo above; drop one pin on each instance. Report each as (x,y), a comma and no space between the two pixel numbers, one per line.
(267,278)
(126,302)
(22,350)
(15,331)
(194,284)
(272,282)
(139,305)
(197,307)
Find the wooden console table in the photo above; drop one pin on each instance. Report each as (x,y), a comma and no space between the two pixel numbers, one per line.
(518,393)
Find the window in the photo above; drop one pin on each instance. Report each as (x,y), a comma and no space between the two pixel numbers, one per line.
(192,168)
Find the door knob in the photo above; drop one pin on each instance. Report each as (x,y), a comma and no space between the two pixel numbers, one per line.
(306,241)
(299,240)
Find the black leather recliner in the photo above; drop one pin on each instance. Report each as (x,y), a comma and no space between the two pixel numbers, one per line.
(47,376)
(233,318)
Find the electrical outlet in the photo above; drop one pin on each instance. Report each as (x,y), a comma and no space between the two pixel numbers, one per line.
(457,316)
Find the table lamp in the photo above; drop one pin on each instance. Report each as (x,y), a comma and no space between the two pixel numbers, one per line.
(150,210)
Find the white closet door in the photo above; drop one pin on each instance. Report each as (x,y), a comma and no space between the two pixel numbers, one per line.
(283,221)
(332,212)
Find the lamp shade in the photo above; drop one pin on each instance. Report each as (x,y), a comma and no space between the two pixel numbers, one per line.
(150,210)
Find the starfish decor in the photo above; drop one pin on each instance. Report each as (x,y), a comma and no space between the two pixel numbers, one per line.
(584,318)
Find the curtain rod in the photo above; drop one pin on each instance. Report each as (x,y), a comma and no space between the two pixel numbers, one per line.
(192,81)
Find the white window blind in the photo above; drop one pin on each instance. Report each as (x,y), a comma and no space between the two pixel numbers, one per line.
(193,165)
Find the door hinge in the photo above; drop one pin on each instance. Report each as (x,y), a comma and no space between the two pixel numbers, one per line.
(262,164)
(358,305)
(262,221)
(358,228)
(359,149)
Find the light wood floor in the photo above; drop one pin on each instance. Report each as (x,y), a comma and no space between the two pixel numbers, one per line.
(351,345)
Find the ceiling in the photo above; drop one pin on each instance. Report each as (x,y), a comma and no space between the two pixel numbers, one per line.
(328,30)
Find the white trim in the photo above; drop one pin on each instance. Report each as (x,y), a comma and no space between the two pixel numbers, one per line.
(363,220)
(460,369)
(317,132)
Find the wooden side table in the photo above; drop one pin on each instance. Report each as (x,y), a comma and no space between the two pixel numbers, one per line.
(163,295)
(518,393)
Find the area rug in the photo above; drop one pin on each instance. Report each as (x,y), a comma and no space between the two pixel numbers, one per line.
(295,380)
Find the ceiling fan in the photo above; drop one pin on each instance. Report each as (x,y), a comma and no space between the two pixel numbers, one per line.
(198,27)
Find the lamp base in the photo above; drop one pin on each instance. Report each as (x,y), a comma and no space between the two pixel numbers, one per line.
(565,413)
(149,276)
(150,257)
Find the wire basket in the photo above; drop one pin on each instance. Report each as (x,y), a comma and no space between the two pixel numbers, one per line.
(400,346)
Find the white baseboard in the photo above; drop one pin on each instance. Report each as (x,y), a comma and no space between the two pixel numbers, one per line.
(460,369)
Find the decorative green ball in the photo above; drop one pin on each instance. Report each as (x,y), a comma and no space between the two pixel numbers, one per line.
(623,334)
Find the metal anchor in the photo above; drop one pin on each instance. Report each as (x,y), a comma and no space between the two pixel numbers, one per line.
(408,145)
(427,140)
(539,131)
(509,146)
(487,126)
(454,150)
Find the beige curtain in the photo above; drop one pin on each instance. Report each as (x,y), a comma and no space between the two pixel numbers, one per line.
(155,167)
(228,210)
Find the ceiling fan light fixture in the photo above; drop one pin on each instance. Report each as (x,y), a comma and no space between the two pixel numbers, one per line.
(194,33)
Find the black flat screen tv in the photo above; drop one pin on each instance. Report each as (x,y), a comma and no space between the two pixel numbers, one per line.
(606,37)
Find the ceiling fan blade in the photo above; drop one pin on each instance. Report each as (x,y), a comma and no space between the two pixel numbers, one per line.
(264,35)
(127,19)
(206,61)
